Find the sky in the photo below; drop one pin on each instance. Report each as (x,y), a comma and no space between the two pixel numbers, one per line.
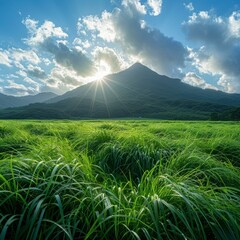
(58,45)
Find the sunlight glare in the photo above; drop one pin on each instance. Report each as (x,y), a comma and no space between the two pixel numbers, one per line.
(103,70)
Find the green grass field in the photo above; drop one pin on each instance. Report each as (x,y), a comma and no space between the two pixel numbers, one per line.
(121,179)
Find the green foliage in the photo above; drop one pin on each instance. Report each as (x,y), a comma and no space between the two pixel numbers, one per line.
(121,179)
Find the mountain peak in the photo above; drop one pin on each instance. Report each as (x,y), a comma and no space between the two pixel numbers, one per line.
(138,66)
(138,70)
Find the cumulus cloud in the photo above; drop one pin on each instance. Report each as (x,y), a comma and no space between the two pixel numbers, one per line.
(73,59)
(103,26)
(63,76)
(21,73)
(4,58)
(149,46)
(134,6)
(109,57)
(234,24)
(156,6)
(31,25)
(196,81)
(79,42)
(36,72)
(16,56)
(219,54)
(17,89)
(61,79)
(32,82)
(39,34)
(19,55)
(189,6)
(50,38)
(229,83)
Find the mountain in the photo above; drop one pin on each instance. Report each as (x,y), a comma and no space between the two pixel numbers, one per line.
(11,101)
(135,92)
(142,82)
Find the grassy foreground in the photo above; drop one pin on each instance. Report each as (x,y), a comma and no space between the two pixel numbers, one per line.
(132,179)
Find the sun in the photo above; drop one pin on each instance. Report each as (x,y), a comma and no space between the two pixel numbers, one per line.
(103,69)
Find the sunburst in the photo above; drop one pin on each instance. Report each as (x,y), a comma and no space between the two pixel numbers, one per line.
(103,69)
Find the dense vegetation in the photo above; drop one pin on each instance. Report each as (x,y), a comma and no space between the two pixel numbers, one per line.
(123,179)
(75,108)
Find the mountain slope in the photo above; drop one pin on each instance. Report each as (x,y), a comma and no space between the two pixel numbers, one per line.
(139,81)
(11,101)
(135,92)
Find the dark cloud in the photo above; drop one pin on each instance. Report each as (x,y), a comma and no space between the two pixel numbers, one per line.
(151,46)
(74,59)
(138,41)
(207,29)
(70,58)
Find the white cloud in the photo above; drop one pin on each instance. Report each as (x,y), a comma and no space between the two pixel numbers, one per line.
(17,89)
(19,55)
(36,72)
(60,80)
(31,82)
(31,25)
(189,6)
(234,24)
(220,51)
(79,42)
(156,6)
(196,81)
(204,15)
(16,56)
(104,26)
(135,6)
(67,77)
(229,83)
(4,58)
(46,61)
(39,34)
(109,57)
(11,76)
(21,73)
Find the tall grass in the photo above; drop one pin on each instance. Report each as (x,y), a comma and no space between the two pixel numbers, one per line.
(119,180)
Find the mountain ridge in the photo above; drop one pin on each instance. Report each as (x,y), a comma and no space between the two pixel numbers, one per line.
(140,74)
(135,92)
(7,101)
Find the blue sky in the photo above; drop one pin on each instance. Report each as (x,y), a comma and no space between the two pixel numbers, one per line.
(58,45)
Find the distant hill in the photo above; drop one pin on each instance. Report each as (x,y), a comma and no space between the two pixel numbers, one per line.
(11,101)
(134,92)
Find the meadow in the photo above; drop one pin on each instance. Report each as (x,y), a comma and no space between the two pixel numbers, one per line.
(119,179)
